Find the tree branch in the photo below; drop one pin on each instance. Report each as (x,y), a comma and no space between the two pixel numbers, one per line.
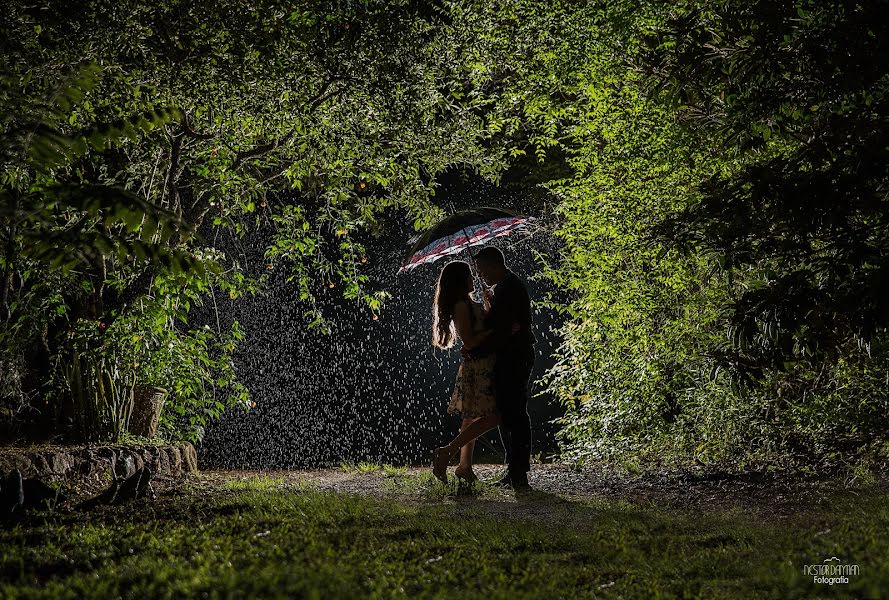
(313,103)
(190,132)
(116,301)
(170,183)
(9,252)
(260,150)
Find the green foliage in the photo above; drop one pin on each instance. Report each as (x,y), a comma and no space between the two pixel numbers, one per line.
(309,119)
(793,98)
(52,225)
(633,367)
(61,222)
(337,111)
(39,301)
(721,207)
(194,365)
(100,384)
(799,93)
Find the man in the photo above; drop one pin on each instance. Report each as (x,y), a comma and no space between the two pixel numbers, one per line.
(513,342)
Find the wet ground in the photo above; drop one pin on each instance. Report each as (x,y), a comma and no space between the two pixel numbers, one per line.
(767,494)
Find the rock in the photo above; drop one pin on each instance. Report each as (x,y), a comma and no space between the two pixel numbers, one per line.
(189,458)
(12,494)
(40,495)
(59,463)
(125,465)
(137,485)
(163,461)
(39,466)
(138,460)
(151,457)
(175,460)
(18,461)
(109,454)
(97,463)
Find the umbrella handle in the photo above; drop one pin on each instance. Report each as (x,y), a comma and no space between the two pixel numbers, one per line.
(476,278)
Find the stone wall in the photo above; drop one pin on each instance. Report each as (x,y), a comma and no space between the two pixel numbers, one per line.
(98,464)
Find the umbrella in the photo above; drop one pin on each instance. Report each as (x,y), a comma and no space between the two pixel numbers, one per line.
(461,230)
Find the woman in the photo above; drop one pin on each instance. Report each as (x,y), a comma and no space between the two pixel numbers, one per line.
(455,314)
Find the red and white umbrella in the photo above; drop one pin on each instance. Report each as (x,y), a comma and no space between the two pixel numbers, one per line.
(460,231)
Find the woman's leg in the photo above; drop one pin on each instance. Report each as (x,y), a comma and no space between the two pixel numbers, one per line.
(473,430)
(466,456)
(468,434)
(466,450)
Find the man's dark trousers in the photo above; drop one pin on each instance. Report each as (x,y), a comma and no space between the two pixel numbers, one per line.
(512,372)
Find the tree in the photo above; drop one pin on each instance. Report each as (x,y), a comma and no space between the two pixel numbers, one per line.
(734,139)
(311,118)
(796,90)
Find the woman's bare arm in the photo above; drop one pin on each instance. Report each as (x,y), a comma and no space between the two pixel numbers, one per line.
(463,324)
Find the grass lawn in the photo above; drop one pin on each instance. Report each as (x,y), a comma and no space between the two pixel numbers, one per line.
(279,537)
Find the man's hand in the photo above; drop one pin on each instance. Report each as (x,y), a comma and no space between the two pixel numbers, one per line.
(516,328)
(487,296)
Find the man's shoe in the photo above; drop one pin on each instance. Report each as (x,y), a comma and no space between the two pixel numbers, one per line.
(520,483)
(504,482)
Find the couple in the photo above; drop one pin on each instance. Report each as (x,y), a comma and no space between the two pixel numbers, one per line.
(498,354)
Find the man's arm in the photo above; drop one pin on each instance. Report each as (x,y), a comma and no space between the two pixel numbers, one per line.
(502,317)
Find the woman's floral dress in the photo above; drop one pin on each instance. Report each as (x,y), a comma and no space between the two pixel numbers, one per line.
(474,390)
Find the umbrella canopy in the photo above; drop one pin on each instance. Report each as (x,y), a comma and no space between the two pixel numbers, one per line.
(461,230)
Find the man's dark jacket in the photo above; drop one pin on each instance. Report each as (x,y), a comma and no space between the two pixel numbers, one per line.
(511,304)
(512,370)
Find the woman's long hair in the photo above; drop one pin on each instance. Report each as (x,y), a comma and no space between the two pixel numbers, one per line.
(450,289)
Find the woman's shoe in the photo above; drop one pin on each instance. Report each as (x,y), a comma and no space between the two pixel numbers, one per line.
(440,457)
(467,476)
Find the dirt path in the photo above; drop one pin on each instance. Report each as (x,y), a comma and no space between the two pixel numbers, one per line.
(767,495)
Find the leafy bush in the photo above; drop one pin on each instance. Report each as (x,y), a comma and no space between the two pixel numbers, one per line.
(722,207)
